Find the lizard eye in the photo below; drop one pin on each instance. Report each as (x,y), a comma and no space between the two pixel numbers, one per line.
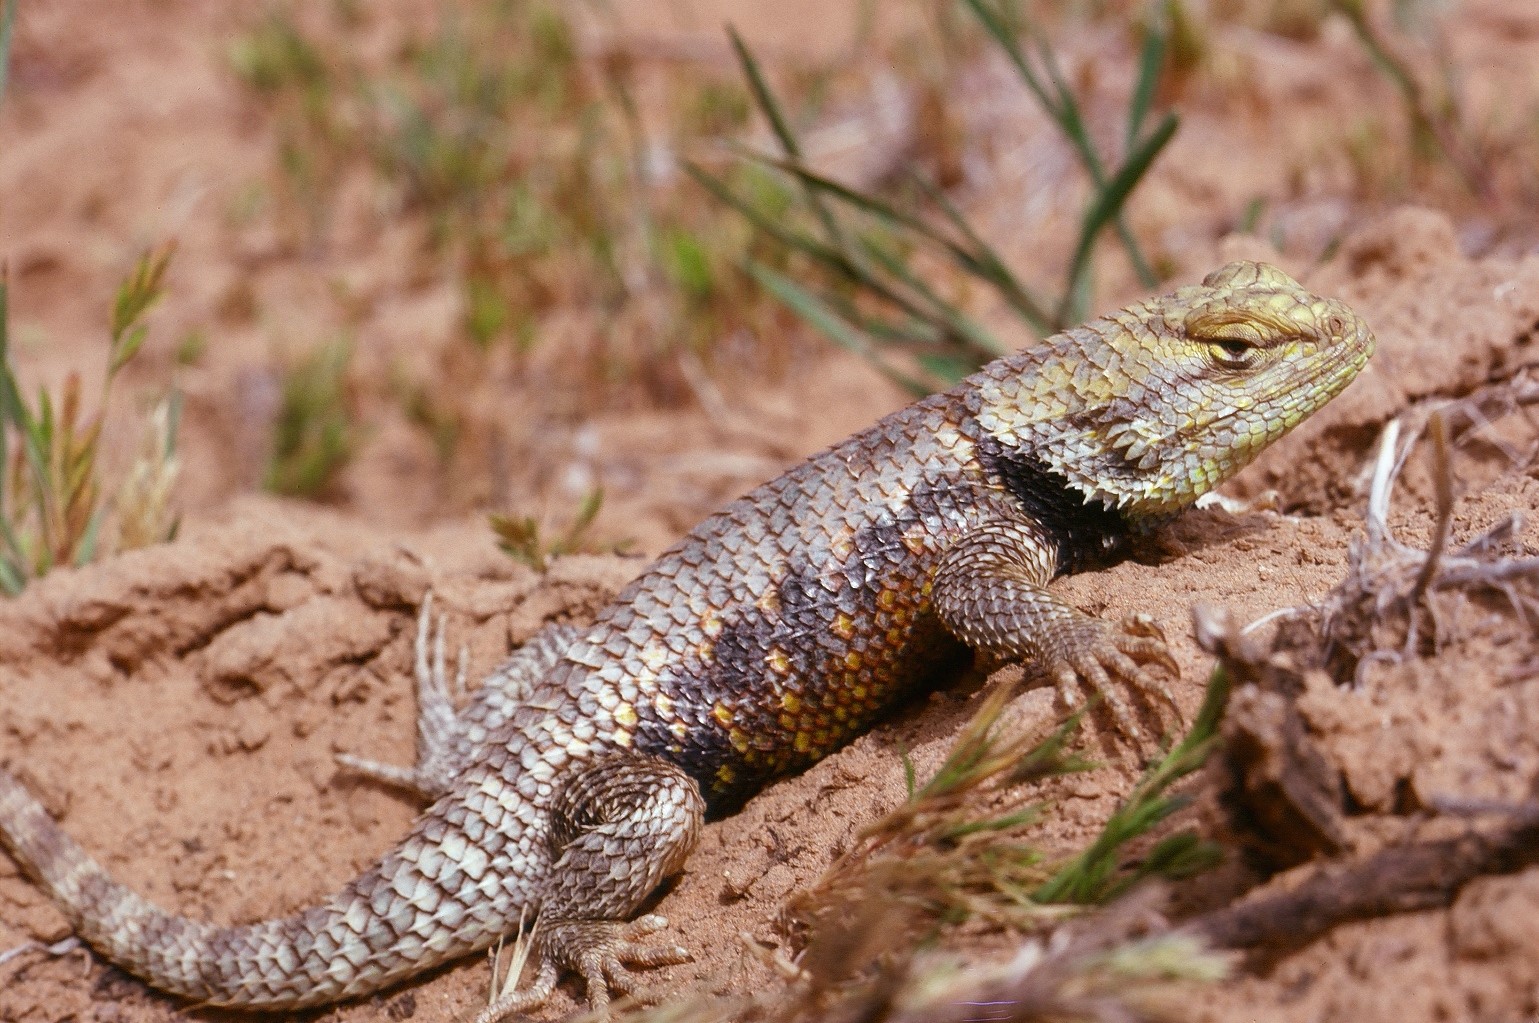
(1232,351)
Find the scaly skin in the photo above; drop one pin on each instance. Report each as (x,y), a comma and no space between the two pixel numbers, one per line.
(769,636)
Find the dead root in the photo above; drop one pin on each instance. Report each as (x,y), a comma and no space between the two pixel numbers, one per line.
(1396,600)
(1399,879)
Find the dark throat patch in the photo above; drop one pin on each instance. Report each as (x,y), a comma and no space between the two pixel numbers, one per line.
(1082,533)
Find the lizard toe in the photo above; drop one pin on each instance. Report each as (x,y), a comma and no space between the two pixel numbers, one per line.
(1129,661)
(513,1002)
(1147,650)
(1090,669)
(1109,659)
(1068,684)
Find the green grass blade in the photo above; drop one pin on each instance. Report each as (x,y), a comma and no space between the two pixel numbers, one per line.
(980,260)
(1150,60)
(989,266)
(1106,208)
(818,315)
(860,200)
(173,422)
(7,386)
(762,95)
(86,551)
(846,262)
(1000,32)
(12,581)
(758,86)
(1063,108)
(838,261)
(984,345)
(1069,118)
(7,22)
(773,227)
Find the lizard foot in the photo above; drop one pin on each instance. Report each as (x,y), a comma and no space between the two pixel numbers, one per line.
(601,951)
(447,738)
(438,724)
(1099,652)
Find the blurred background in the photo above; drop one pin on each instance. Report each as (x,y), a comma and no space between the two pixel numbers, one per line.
(594,268)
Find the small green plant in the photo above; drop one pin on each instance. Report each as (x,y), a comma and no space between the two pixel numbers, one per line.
(523,538)
(316,433)
(51,508)
(872,299)
(958,848)
(1101,873)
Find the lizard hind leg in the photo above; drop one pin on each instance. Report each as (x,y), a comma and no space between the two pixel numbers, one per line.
(618,829)
(447,737)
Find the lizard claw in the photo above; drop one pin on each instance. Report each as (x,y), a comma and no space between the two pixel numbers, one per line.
(438,721)
(1141,624)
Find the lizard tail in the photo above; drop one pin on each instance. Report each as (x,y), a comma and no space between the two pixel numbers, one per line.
(436,896)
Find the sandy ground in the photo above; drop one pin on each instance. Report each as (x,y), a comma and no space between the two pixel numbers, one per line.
(179,707)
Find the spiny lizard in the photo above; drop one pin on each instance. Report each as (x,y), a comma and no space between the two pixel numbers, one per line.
(578,776)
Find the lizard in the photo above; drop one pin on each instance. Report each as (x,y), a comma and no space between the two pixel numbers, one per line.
(578,776)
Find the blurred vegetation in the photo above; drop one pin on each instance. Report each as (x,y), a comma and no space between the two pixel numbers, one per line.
(527,540)
(538,179)
(51,501)
(316,432)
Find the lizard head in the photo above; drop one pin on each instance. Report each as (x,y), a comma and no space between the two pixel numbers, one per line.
(1157,404)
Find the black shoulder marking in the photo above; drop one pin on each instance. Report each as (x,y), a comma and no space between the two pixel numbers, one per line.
(1081,531)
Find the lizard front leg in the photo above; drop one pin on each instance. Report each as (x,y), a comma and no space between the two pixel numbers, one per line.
(617,830)
(990,591)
